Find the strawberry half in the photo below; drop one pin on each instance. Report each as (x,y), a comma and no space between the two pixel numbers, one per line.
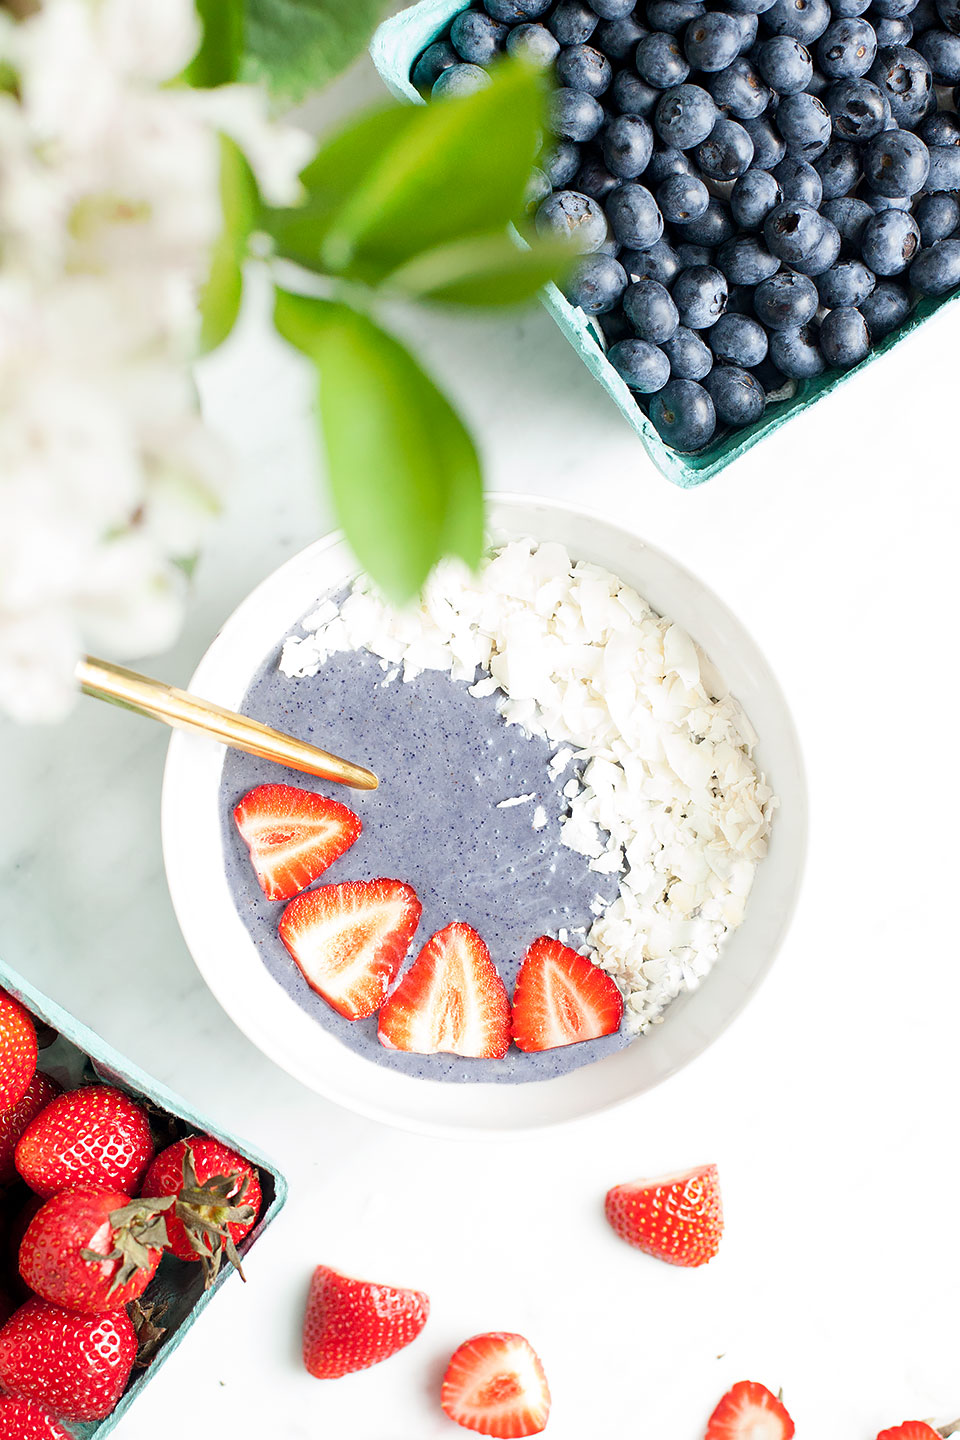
(350,940)
(353,1324)
(293,836)
(749,1412)
(678,1219)
(562,998)
(450,1000)
(495,1385)
(910,1430)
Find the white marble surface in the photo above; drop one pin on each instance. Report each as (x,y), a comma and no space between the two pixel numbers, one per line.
(830,1106)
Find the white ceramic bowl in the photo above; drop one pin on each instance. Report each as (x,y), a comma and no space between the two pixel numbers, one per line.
(228,960)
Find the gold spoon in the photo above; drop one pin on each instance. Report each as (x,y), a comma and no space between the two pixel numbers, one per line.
(188,712)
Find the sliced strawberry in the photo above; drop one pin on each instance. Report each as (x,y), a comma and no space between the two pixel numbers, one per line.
(451,1000)
(293,836)
(495,1385)
(910,1430)
(749,1412)
(352,1324)
(678,1219)
(350,940)
(562,998)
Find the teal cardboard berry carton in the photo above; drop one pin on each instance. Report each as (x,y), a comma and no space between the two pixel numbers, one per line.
(395,48)
(77,1055)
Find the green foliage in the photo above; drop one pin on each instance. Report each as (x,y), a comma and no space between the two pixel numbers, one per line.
(296,46)
(482,270)
(402,468)
(221,296)
(217,62)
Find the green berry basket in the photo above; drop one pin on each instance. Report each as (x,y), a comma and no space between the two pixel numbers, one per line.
(77,1055)
(395,48)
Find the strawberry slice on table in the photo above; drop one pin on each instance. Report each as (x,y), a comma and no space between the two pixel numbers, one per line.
(749,1412)
(495,1385)
(678,1218)
(562,998)
(26,1420)
(450,1000)
(293,836)
(353,1324)
(910,1430)
(350,940)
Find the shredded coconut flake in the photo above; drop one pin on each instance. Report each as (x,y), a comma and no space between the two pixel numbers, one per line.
(515,800)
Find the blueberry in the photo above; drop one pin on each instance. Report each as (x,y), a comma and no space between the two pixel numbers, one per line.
(738,397)
(805,20)
(538,187)
(886,308)
(476,37)
(650,310)
(685,116)
(826,252)
(673,16)
(690,358)
(796,353)
(749,30)
(846,9)
(793,231)
(712,42)
(682,197)
(665,161)
(944,173)
(560,162)
(894,32)
(632,96)
(799,181)
(684,415)
(569,216)
(850,216)
(727,152)
(533,43)
(627,144)
(849,282)
(712,228)
(575,115)
(612,9)
(754,195)
(941,50)
(938,217)
(596,283)
(896,163)
(460,80)
(660,262)
(573,22)
(785,64)
(786,301)
(618,39)
(940,128)
(700,294)
(857,108)
(844,336)
(745,261)
(847,49)
(804,123)
(749,7)
(514,12)
(738,340)
(739,91)
(770,378)
(690,256)
(769,146)
(890,242)
(949,12)
(924,15)
(660,61)
(905,78)
(593,178)
(634,217)
(614,326)
(838,168)
(643,366)
(581,67)
(937,271)
(435,59)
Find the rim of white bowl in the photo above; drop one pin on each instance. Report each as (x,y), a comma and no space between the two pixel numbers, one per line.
(271,1019)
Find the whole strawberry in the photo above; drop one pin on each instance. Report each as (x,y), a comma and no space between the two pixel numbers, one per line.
(78,1365)
(95,1136)
(26,1420)
(218,1199)
(14,1121)
(93,1250)
(678,1219)
(352,1324)
(18,1050)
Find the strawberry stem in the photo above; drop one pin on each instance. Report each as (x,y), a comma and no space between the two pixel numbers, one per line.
(207,1211)
(137,1229)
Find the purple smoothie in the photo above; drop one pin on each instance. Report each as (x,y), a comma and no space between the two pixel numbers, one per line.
(444,759)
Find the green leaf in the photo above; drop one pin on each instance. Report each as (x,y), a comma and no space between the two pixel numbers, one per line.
(221,295)
(458,167)
(482,270)
(403,469)
(217,62)
(296,46)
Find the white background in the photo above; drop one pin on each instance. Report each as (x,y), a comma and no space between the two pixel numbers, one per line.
(830,1106)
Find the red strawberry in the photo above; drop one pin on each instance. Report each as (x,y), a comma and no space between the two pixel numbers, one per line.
(352,1324)
(59,1254)
(14,1121)
(451,999)
(678,1219)
(93,1137)
(562,998)
(495,1384)
(26,1420)
(293,836)
(910,1430)
(218,1200)
(350,940)
(749,1412)
(76,1364)
(18,1050)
